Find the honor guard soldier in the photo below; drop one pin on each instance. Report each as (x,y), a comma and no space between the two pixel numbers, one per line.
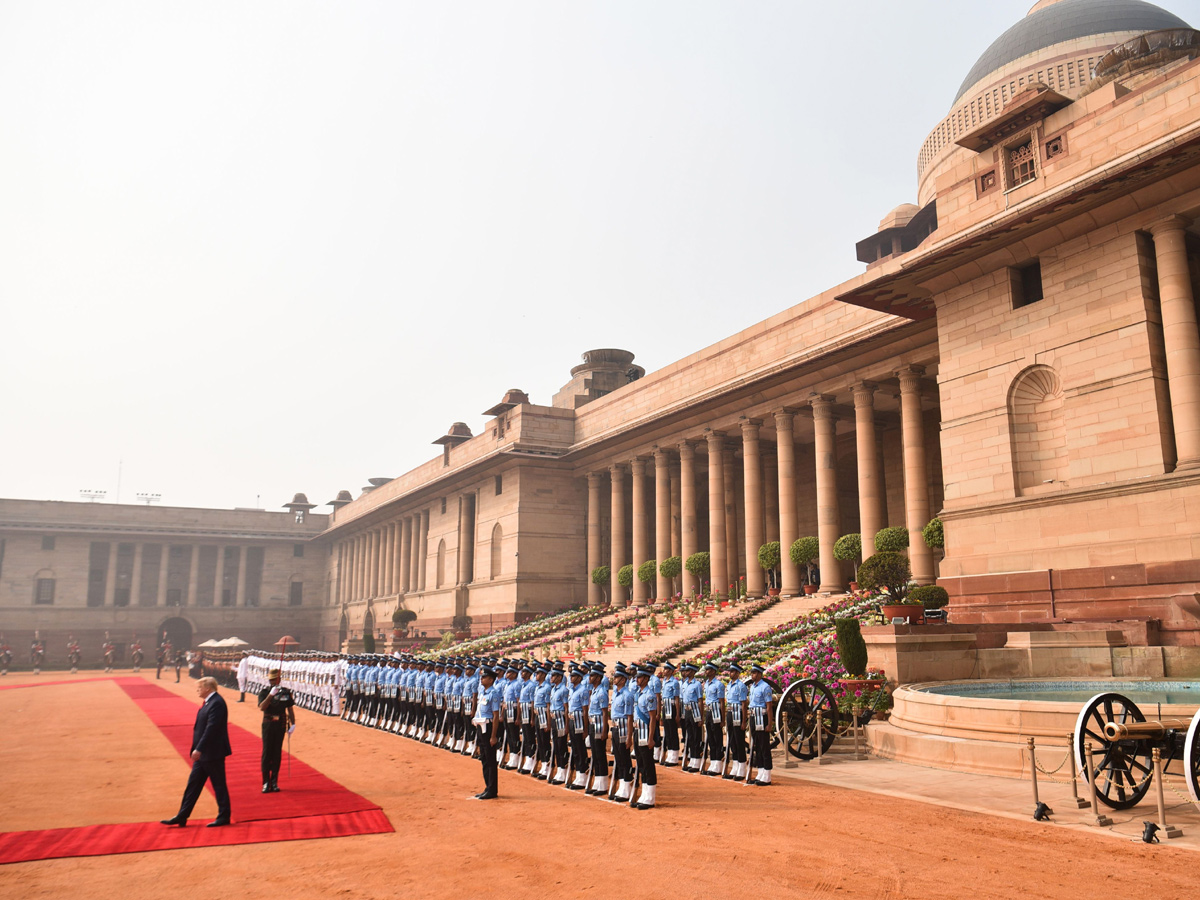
(74,653)
(109,652)
(560,692)
(760,702)
(621,719)
(512,718)
(408,697)
(598,724)
(5,656)
(671,714)
(37,653)
(279,716)
(646,717)
(136,655)
(736,698)
(162,656)
(714,720)
(439,701)
(690,694)
(577,709)
(468,691)
(427,683)
(528,726)
(487,721)
(541,721)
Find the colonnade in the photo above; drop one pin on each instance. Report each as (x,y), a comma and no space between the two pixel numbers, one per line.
(143,557)
(768,506)
(383,561)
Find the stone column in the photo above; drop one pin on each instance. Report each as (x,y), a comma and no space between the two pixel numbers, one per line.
(641,536)
(110,578)
(398,557)
(164,563)
(771,499)
(466,539)
(689,540)
(732,541)
(617,475)
(219,583)
(870,488)
(676,511)
(829,520)
(376,560)
(753,488)
(135,580)
(718,573)
(414,575)
(423,548)
(240,599)
(916,486)
(406,549)
(788,524)
(1181,337)
(595,483)
(193,577)
(389,574)
(662,519)
(356,592)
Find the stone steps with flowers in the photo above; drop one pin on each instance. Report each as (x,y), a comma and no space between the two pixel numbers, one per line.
(784,611)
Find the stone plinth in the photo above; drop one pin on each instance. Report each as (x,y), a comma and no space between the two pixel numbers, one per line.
(931,655)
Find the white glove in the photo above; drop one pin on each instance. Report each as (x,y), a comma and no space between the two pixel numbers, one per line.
(290,730)
(274,691)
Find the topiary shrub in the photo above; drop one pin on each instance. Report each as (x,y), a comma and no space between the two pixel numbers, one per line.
(647,570)
(886,571)
(698,564)
(934,534)
(602,576)
(769,556)
(805,552)
(848,548)
(930,596)
(625,578)
(891,540)
(671,567)
(851,647)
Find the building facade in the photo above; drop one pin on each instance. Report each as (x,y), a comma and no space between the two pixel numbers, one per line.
(1020,356)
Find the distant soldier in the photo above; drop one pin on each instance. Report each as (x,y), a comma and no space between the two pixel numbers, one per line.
(180,659)
(623,732)
(714,720)
(577,705)
(736,699)
(136,654)
(163,656)
(645,717)
(560,692)
(74,653)
(243,675)
(598,720)
(37,653)
(110,653)
(5,656)
(541,713)
(671,715)
(690,693)
(760,703)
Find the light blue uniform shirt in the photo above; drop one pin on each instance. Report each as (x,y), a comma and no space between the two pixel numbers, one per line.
(759,694)
(558,697)
(622,703)
(489,702)
(541,694)
(580,696)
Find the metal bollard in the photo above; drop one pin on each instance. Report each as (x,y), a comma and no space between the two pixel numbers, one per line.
(1170,831)
(820,740)
(788,761)
(1089,766)
(1075,798)
(1033,773)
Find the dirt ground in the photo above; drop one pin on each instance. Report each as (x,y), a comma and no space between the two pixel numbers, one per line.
(83,754)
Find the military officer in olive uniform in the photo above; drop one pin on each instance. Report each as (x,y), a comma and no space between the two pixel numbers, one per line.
(279,716)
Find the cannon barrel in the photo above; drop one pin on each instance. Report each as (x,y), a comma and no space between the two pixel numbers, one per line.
(1118,731)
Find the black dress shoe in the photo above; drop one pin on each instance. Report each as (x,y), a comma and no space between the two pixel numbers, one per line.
(274,787)
(486,796)
(217,823)
(266,787)
(174,820)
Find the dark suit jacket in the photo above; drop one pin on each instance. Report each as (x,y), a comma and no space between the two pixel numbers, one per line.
(210,734)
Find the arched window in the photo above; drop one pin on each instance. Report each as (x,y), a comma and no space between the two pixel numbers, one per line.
(1038,431)
(497,543)
(441,563)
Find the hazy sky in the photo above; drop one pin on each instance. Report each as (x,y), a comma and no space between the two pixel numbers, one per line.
(256,248)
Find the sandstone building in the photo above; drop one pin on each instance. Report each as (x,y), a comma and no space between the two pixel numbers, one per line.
(1020,356)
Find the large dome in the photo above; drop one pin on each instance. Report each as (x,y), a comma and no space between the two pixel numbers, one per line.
(1054,23)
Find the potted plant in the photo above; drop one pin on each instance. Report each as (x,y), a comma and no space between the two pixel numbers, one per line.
(852,650)
(625,580)
(646,573)
(805,552)
(769,558)
(671,567)
(654,619)
(602,576)
(848,548)
(891,572)
(461,626)
(893,539)
(401,619)
(930,596)
(698,565)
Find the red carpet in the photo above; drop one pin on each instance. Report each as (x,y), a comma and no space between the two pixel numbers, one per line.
(310,806)
(13,687)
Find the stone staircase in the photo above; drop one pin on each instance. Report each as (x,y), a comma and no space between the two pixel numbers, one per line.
(783,611)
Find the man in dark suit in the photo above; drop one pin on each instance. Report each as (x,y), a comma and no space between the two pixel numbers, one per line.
(210,746)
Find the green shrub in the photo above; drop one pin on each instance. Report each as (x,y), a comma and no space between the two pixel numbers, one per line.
(851,647)
(769,556)
(625,576)
(891,540)
(402,617)
(647,570)
(888,571)
(671,567)
(934,534)
(601,575)
(805,552)
(698,563)
(848,548)
(931,596)
(368,642)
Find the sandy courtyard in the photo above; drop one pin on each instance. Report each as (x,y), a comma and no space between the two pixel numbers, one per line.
(83,753)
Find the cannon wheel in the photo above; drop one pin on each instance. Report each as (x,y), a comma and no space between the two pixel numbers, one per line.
(1123,768)
(803,702)
(1191,758)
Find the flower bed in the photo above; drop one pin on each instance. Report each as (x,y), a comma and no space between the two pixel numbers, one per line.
(705,635)
(526,631)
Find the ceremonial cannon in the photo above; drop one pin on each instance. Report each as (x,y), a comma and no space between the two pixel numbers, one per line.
(1123,742)
(810,711)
